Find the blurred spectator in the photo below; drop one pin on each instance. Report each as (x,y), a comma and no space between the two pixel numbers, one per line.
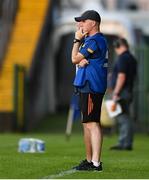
(122,81)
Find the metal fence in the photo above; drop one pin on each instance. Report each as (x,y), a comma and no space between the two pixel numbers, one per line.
(141,102)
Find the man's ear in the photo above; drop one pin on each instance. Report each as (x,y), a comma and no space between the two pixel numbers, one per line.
(93,23)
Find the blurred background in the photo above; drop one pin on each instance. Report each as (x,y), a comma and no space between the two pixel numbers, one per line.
(36,72)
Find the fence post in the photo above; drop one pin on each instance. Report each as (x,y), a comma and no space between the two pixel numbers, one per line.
(19,97)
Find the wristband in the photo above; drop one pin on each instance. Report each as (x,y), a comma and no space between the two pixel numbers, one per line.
(76,40)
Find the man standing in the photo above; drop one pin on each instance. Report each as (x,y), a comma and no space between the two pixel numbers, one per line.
(89,53)
(123,76)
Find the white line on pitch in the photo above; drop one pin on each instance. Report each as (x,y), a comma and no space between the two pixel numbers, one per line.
(63,173)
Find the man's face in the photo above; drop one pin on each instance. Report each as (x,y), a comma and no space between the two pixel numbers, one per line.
(86,25)
(118,50)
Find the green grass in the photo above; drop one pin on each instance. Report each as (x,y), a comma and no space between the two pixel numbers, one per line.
(56,123)
(61,155)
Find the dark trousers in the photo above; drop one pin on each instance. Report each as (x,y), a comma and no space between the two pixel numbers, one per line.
(125,124)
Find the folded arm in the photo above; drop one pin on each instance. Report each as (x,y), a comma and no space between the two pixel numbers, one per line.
(76,55)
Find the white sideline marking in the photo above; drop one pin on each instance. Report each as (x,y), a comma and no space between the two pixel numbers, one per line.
(63,173)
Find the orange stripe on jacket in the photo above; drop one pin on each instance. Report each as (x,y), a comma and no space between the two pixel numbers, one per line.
(90,104)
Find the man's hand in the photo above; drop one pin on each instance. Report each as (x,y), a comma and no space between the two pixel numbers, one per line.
(115,97)
(83,63)
(80,34)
